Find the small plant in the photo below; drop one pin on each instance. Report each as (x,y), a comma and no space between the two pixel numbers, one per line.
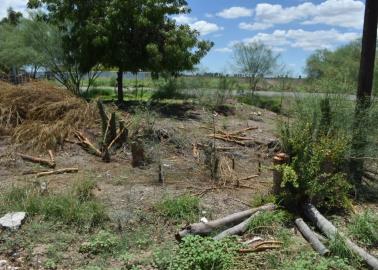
(103,242)
(364,228)
(182,208)
(201,253)
(268,222)
(83,190)
(312,261)
(261,199)
(338,248)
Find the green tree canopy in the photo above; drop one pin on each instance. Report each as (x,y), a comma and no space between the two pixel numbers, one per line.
(13,17)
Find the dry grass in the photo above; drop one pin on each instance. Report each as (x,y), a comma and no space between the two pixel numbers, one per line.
(40,115)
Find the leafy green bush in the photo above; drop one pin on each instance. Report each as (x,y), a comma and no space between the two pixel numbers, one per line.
(318,148)
(364,228)
(168,90)
(102,242)
(198,253)
(182,208)
(67,208)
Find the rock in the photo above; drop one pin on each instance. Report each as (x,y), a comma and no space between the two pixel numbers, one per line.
(12,220)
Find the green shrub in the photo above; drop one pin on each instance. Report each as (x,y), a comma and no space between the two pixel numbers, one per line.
(261,199)
(182,208)
(318,148)
(338,248)
(102,242)
(168,90)
(199,253)
(67,208)
(364,228)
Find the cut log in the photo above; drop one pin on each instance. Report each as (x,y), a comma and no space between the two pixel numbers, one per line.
(42,161)
(86,144)
(51,155)
(60,171)
(207,228)
(238,229)
(311,237)
(331,232)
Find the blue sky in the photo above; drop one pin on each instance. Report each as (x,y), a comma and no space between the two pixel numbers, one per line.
(293,28)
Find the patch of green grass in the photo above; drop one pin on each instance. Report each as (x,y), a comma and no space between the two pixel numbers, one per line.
(312,261)
(74,207)
(338,248)
(269,103)
(99,92)
(179,209)
(364,228)
(268,222)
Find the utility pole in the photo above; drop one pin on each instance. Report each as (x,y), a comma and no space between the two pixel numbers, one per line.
(364,91)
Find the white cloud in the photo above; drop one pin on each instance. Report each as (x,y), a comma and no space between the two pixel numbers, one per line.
(223,50)
(209,15)
(255,26)
(17,5)
(342,13)
(205,27)
(184,19)
(306,40)
(235,12)
(201,26)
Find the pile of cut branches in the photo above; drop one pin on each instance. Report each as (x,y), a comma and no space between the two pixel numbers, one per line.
(239,137)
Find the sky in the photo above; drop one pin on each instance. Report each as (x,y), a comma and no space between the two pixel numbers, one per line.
(292,28)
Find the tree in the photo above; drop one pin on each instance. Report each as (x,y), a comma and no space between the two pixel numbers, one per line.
(141,36)
(255,60)
(13,17)
(364,91)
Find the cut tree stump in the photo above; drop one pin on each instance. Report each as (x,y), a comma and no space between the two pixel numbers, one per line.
(45,162)
(331,232)
(311,237)
(207,228)
(137,152)
(103,115)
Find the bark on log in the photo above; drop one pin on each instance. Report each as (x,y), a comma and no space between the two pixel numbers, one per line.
(238,229)
(311,237)
(207,228)
(103,115)
(330,230)
(60,171)
(42,161)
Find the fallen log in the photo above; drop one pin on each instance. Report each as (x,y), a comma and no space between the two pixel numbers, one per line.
(41,161)
(60,171)
(207,228)
(238,229)
(258,249)
(86,144)
(331,232)
(311,237)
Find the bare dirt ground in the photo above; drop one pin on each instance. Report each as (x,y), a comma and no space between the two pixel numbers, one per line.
(131,193)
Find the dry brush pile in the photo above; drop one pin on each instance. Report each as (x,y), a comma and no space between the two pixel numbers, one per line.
(40,116)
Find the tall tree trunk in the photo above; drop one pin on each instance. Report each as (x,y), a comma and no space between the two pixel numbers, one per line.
(120,84)
(364,91)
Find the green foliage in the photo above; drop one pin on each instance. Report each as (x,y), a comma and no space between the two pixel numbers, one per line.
(261,199)
(364,228)
(102,242)
(168,90)
(268,222)
(312,261)
(338,248)
(199,253)
(318,145)
(70,208)
(179,209)
(269,103)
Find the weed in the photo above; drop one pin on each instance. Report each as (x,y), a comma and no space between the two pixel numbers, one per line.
(261,199)
(205,253)
(338,248)
(68,208)
(50,264)
(268,222)
(83,190)
(185,207)
(273,104)
(364,228)
(312,261)
(103,242)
